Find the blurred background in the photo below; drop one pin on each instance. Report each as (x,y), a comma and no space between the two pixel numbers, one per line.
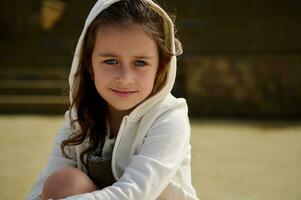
(240,73)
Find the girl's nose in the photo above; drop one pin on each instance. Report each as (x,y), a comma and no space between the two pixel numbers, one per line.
(125,76)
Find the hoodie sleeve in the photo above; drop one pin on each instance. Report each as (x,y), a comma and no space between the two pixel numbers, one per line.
(56,161)
(153,168)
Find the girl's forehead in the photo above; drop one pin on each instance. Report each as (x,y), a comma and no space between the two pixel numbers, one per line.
(121,39)
(119,32)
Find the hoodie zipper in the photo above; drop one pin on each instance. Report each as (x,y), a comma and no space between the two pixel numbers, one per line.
(118,139)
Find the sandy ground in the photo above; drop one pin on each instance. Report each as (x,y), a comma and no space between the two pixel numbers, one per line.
(230,160)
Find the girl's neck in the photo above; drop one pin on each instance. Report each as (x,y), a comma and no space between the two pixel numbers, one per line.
(114,118)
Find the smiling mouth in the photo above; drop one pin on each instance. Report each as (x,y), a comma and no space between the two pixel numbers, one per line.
(123,93)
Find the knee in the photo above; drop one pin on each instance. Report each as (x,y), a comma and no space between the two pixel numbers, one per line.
(67,182)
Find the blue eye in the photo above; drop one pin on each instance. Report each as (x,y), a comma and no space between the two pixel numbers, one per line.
(140,63)
(111,62)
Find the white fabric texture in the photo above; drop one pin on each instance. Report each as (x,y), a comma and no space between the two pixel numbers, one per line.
(152,152)
(108,146)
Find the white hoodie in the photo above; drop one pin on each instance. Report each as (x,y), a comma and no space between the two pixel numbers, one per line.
(151,156)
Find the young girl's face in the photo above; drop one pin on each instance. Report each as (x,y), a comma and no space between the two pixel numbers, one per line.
(125,60)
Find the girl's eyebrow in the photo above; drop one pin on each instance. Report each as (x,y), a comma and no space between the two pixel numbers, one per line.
(107,55)
(144,57)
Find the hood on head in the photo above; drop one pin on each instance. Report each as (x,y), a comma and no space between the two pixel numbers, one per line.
(101,5)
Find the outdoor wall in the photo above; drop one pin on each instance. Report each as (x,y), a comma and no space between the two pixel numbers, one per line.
(241,59)
(37,41)
(253,86)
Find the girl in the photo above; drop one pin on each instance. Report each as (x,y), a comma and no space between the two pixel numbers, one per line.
(125,136)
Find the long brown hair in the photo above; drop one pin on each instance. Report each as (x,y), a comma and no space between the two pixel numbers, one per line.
(90,107)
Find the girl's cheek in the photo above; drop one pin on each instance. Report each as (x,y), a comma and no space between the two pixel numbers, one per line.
(101,71)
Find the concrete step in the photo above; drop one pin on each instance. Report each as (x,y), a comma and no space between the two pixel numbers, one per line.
(33,87)
(34,104)
(33,90)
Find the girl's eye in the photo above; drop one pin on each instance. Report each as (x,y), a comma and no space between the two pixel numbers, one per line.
(111,62)
(140,63)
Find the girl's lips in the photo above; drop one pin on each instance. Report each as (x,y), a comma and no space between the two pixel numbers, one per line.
(123,93)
